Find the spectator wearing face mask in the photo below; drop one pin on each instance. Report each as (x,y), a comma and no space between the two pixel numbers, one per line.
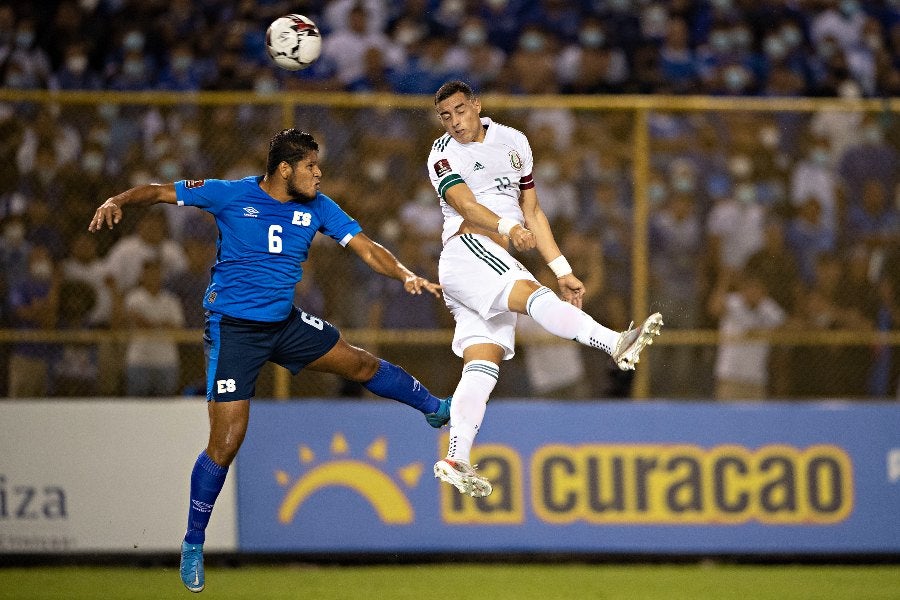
(532,66)
(33,301)
(735,228)
(135,69)
(742,305)
(590,65)
(813,177)
(76,71)
(151,360)
(679,67)
(27,66)
(182,72)
(482,57)
(871,157)
(14,249)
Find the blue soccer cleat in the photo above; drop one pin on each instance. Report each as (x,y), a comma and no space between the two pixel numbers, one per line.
(442,416)
(192,566)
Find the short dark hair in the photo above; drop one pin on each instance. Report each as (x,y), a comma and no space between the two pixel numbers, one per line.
(289,145)
(452,87)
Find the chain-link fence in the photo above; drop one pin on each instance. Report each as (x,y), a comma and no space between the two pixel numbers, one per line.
(765,232)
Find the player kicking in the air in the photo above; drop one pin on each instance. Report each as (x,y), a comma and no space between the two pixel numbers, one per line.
(482,173)
(266,225)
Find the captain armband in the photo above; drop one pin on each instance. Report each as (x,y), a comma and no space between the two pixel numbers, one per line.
(560,266)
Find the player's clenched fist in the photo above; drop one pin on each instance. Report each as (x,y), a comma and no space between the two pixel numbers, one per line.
(522,238)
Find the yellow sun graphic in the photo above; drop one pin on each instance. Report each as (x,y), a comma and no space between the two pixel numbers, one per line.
(367,480)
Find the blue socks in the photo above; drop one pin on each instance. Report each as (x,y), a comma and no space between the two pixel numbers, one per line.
(207,480)
(391,381)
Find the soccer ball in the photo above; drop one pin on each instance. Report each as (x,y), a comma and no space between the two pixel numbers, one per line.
(293,42)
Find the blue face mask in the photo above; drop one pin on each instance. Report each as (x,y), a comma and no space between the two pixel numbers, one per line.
(820,156)
(169,170)
(16,80)
(133,68)
(619,6)
(849,7)
(735,78)
(591,38)
(741,38)
(683,185)
(472,36)
(791,36)
(24,39)
(265,86)
(92,162)
(745,193)
(872,134)
(108,111)
(720,41)
(190,141)
(532,42)
(182,63)
(656,192)
(775,47)
(134,41)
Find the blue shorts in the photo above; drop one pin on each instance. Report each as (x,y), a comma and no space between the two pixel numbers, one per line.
(237,349)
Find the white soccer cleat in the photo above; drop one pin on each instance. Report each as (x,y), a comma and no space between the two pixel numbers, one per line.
(631,341)
(463,476)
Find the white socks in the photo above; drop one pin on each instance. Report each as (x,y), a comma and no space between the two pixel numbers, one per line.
(469,403)
(566,321)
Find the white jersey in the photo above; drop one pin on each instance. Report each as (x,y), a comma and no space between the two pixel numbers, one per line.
(496,170)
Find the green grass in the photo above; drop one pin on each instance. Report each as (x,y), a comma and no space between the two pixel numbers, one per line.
(462,581)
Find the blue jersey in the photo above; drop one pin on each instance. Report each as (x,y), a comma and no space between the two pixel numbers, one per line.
(262,244)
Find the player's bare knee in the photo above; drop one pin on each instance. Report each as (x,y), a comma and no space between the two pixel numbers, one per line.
(364,366)
(222,454)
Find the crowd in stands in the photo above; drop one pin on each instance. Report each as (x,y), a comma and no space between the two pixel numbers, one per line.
(716,47)
(759,219)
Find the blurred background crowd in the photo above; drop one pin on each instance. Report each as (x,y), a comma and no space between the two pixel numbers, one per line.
(716,47)
(784,220)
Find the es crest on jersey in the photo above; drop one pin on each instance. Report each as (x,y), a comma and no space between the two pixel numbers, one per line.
(515,160)
(194,183)
(442,167)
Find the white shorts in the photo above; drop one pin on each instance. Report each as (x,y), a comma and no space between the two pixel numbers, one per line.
(477,276)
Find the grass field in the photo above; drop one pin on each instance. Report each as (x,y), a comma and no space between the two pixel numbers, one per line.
(465,581)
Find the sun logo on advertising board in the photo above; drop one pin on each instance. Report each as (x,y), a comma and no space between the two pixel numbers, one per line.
(378,488)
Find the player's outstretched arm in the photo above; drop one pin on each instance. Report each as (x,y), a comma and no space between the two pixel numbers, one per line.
(571,288)
(382,261)
(110,212)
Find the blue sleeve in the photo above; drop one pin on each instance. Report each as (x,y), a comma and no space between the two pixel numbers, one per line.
(208,194)
(336,223)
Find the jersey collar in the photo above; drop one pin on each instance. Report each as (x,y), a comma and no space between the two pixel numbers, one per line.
(486,122)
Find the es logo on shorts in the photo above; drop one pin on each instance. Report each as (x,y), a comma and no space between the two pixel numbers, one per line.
(442,167)
(226,385)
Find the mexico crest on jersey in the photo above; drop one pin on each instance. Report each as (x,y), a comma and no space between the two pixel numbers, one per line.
(515,160)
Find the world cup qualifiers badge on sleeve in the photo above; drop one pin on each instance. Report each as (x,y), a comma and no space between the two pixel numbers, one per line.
(442,167)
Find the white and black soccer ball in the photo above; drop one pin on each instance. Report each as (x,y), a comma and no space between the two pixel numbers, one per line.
(293,42)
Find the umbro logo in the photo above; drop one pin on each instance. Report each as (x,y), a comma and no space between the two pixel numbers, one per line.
(478,166)
(249,211)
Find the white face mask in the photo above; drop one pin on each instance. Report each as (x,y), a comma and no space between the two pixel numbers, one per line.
(41,269)
(377,171)
(77,63)
(14,233)
(547,172)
